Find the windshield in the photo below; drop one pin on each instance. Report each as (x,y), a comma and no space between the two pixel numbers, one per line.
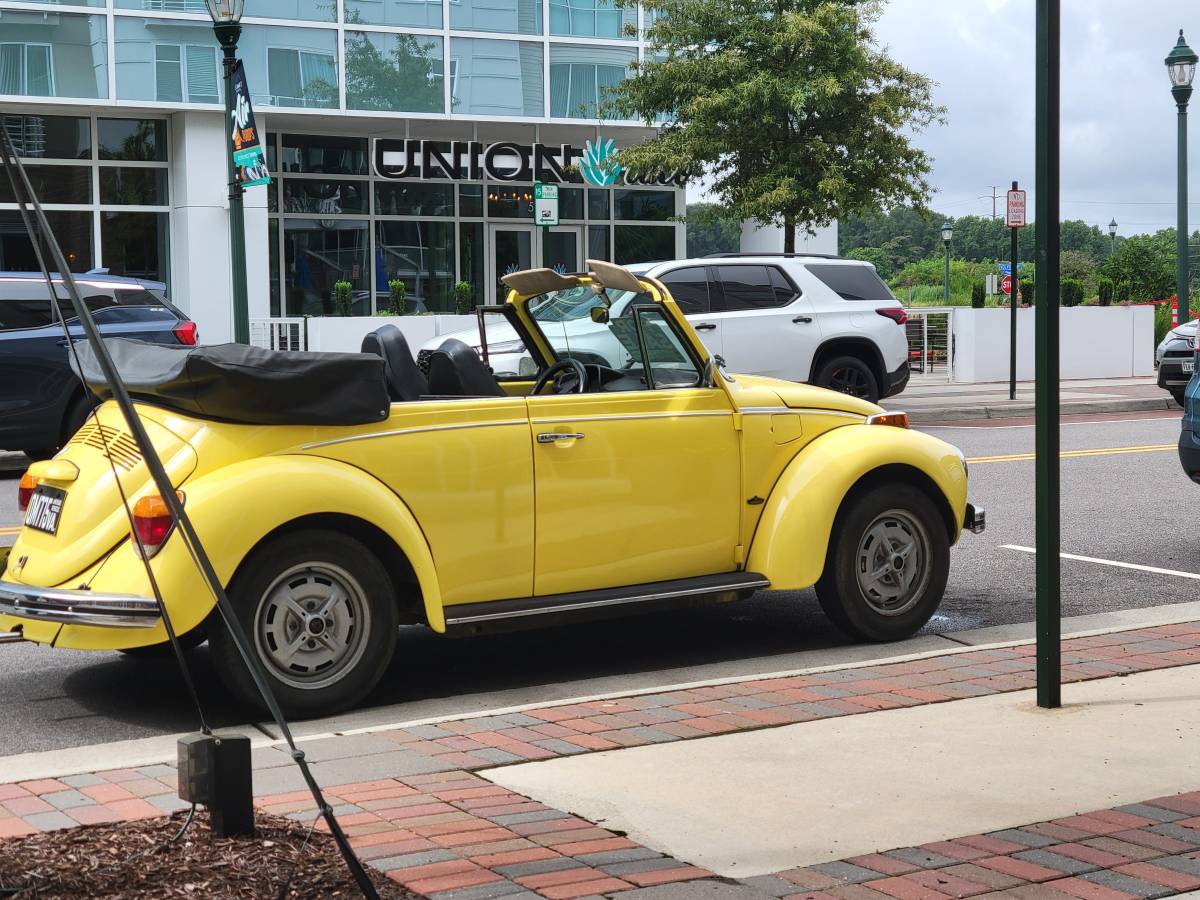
(636,328)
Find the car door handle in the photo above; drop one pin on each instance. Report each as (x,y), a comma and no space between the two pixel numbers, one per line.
(553,437)
(705,326)
(802,320)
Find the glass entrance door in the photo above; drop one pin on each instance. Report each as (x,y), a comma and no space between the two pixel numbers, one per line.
(512,249)
(562,248)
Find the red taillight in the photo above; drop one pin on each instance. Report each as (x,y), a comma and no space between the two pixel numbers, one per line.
(897,315)
(152,523)
(25,489)
(185,333)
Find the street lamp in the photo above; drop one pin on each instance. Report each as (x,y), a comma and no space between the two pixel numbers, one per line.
(1181,66)
(1112,233)
(227,16)
(947,237)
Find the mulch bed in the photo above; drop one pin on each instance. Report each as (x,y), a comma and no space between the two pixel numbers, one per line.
(137,860)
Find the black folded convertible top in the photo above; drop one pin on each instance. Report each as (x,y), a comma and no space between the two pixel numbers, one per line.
(235,383)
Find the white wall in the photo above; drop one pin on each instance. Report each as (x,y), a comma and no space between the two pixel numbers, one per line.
(337,334)
(1095,342)
(769,239)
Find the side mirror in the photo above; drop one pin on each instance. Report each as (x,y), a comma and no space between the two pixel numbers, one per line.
(600,315)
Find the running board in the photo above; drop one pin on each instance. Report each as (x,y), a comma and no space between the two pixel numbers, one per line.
(529,612)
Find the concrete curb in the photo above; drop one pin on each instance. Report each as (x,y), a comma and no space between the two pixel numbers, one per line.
(1019,410)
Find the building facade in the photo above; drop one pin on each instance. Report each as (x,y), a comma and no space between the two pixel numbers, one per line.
(404,138)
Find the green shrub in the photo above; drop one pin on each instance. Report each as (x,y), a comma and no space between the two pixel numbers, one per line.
(343,298)
(1105,287)
(464,297)
(397,296)
(1027,290)
(1123,290)
(977,295)
(1162,321)
(1071,292)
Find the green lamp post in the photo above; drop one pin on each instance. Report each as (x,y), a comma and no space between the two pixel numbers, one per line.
(947,237)
(1181,66)
(1112,233)
(226,16)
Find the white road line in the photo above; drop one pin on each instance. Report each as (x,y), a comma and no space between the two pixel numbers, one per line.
(1110,562)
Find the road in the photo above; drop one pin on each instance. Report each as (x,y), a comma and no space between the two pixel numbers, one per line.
(1128,504)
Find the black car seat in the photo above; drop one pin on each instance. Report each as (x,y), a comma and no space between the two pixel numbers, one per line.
(455,370)
(405,383)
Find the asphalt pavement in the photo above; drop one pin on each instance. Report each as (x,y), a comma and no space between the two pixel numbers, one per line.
(1131,505)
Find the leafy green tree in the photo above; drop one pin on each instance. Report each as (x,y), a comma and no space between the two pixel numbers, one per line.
(1078,265)
(1144,266)
(877,257)
(711,230)
(789,107)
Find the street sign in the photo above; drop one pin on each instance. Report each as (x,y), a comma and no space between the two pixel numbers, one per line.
(1006,284)
(1006,268)
(1016,209)
(545,204)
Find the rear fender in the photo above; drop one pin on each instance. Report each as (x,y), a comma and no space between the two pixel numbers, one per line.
(792,538)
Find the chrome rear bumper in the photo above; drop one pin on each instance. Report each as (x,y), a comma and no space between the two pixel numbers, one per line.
(75,607)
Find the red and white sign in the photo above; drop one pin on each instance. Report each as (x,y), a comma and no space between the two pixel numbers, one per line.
(1006,284)
(1016,209)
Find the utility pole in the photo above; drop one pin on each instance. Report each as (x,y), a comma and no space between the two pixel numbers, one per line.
(995,196)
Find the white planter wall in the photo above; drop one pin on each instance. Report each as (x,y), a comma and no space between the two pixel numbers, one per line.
(338,334)
(1095,342)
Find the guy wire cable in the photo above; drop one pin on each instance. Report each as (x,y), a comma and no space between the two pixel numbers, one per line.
(35,240)
(187,532)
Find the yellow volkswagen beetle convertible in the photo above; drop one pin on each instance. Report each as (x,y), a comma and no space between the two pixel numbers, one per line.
(340,496)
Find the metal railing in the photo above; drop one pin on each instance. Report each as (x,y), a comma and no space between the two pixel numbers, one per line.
(279,334)
(930,331)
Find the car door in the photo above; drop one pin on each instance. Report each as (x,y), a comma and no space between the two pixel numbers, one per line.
(691,289)
(34,375)
(767,324)
(635,486)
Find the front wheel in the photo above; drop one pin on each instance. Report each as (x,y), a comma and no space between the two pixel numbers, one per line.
(320,613)
(887,564)
(849,375)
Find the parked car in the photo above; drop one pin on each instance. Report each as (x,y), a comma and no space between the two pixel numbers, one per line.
(1175,359)
(822,320)
(41,400)
(341,495)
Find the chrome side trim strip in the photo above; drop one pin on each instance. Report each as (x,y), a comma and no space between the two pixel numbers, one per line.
(615,601)
(781,410)
(71,607)
(543,419)
(417,430)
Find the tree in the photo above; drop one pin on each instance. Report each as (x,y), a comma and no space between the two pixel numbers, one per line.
(711,230)
(1078,265)
(789,107)
(1144,266)
(877,257)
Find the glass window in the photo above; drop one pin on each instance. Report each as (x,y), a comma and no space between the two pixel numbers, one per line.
(273,265)
(135,244)
(317,255)
(142,140)
(307,10)
(853,282)
(290,67)
(580,77)
(495,78)
(500,16)
(471,259)
(421,13)
(57,54)
(394,72)
(167,60)
(24,303)
(643,243)
(49,137)
(327,198)
(570,203)
(644,206)
(421,254)
(747,287)
(689,287)
(413,199)
(510,201)
(598,204)
(133,187)
(591,18)
(785,291)
(73,231)
(598,242)
(470,199)
(53,184)
(324,155)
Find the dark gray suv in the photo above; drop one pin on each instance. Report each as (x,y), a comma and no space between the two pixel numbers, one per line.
(41,400)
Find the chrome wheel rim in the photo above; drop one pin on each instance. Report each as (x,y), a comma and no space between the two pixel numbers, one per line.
(892,563)
(312,624)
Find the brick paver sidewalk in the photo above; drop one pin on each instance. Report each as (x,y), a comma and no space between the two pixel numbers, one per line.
(450,834)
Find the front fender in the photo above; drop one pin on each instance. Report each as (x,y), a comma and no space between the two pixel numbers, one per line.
(793,533)
(232,509)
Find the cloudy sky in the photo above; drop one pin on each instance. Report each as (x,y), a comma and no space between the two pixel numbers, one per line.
(1119,121)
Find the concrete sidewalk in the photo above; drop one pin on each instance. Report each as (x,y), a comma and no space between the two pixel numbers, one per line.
(936,402)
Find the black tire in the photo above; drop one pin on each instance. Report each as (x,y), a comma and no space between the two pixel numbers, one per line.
(1178,397)
(849,375)
(871,614)
(189,641)
(313,562)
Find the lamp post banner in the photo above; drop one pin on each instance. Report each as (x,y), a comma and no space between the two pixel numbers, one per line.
(249,158)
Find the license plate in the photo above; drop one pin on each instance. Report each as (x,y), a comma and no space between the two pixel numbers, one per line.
(45,509)
(1189,366)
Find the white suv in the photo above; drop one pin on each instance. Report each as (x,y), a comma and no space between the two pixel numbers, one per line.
(824,320)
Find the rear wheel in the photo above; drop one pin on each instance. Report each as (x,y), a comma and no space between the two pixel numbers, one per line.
(1178,396)
(849,375)
(887,565)
(320,612)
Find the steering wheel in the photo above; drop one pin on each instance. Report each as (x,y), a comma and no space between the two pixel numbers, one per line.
(563,365)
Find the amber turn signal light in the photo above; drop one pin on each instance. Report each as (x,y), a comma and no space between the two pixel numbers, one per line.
(25,488)
(895,419)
